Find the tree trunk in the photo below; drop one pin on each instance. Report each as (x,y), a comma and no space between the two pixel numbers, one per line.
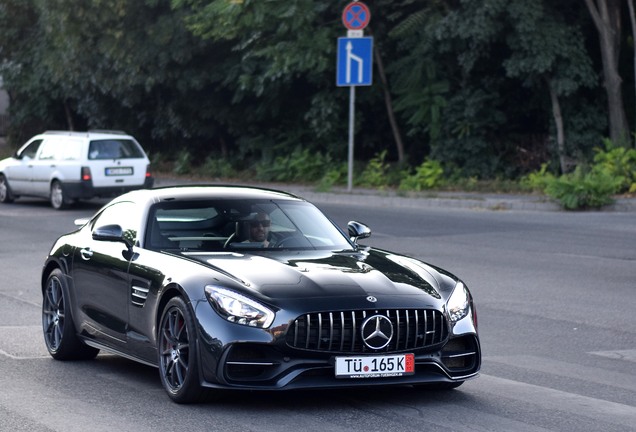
(69,117)
(389,106)
(606,15)
(558,123)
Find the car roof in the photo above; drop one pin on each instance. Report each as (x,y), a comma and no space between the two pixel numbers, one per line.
(91,134)
(206,191)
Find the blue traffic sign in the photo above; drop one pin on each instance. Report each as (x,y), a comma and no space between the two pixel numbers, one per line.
(355,62)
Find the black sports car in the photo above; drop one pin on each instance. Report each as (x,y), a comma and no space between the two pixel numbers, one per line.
(225,287)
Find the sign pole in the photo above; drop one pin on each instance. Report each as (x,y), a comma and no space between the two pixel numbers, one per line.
(354,66)
(352,102)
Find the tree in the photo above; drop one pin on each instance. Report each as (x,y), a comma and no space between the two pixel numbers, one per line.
(547,51)
(606,15)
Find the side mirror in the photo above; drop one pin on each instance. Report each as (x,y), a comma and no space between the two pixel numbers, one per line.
(357,231)
(113,233)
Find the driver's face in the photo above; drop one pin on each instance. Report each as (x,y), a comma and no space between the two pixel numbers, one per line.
(259,229)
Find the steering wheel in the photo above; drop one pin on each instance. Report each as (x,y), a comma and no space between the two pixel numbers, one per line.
(229,240)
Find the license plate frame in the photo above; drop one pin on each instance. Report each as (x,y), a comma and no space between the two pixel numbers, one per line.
(118,171)
(374,366)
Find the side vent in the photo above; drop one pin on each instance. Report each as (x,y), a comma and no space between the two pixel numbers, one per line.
(139,295)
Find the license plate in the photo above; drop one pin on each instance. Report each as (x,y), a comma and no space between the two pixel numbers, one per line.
(381,366)
(119,171)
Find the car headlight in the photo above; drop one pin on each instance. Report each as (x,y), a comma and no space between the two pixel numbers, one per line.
(458,304)
(237,308)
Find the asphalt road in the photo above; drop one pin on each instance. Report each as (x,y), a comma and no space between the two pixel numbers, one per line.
(555,295)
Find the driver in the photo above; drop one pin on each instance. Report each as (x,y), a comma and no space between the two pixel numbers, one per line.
(259,229)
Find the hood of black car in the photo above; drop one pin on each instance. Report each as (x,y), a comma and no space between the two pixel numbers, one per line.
(324,274)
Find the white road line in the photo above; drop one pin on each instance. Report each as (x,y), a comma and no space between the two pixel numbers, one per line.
(628,355)
(556,400)
(568,370)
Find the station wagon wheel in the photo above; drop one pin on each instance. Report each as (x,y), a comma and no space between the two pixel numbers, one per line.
(58,198)
(177,349)
(60,338)
(6,196)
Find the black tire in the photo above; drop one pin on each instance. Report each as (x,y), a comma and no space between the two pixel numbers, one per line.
(178,356)
(59,200)
(6,196)
(57,322)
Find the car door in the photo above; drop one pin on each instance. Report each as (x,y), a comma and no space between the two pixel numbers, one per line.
(20,172)
(100,273)
(58,158)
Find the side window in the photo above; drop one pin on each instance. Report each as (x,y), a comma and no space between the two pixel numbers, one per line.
(30,150)
(48,150)
(125,214)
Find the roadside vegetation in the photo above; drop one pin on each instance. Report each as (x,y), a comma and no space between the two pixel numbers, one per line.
(497,95)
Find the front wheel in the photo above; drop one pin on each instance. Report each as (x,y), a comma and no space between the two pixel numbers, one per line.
(57,322)
(177,349)
(6,196)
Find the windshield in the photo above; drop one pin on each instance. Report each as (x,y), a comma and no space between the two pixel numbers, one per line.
(239,225)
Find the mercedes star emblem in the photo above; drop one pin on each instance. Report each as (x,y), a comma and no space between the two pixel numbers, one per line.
(377,332)
(372,299)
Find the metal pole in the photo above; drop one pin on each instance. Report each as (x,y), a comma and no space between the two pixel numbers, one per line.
(352,101)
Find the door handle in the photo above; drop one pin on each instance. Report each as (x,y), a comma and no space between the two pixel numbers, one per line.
(86,254)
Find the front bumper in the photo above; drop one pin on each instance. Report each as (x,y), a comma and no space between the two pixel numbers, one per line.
(240,357)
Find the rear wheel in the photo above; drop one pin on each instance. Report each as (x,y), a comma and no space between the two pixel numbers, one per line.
(6,196)
(57,322)
(177,349)
(59,200)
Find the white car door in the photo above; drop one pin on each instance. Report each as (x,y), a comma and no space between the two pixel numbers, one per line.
(58,158)
(20,172)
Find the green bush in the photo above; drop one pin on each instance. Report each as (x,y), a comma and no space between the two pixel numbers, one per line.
(617,161)
(299,166)
(375,173)
(183,164)
(582,190)
(537,181)
(428,175)
(217,167)
(334,176)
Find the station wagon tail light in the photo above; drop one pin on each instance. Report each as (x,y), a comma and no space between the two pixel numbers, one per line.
(86,174)
(237,308)
(148,173)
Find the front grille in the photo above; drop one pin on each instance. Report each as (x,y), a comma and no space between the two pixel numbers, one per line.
(341,331)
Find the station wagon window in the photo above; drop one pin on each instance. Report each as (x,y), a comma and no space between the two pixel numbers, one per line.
(114,149)
(56,149)
(30,151)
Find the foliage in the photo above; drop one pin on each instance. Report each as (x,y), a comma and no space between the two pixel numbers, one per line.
(613,171)
(538,181)
(253,82)
(583,190)
(334,176)
(183,163)
(375,172)
(215,166)
(428,175)
(300,165)
(618,162)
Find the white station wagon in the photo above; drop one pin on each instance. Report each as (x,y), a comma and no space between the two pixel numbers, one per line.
(67,166)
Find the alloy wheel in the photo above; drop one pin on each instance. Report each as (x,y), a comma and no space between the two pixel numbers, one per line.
(175,349)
